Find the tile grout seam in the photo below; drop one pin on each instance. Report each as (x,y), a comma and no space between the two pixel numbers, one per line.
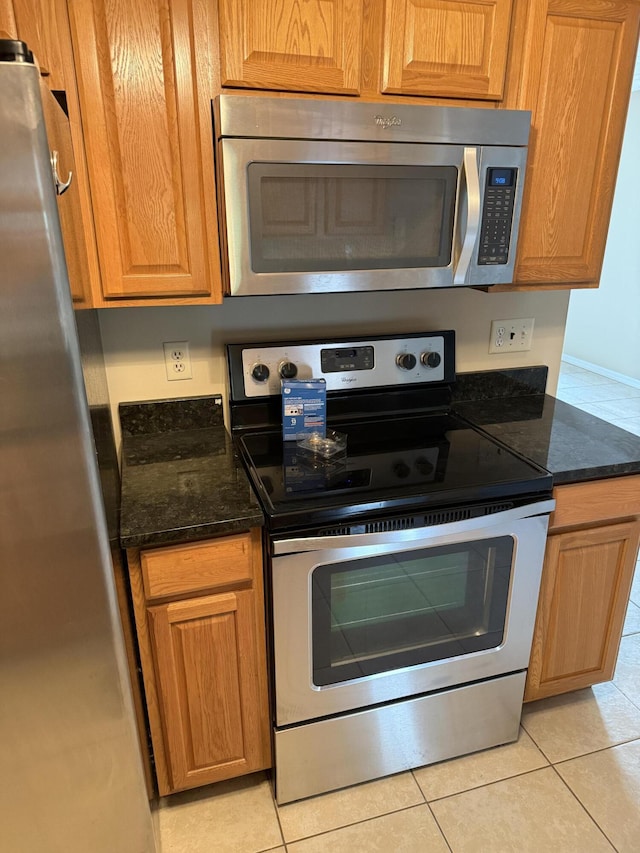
(585,809)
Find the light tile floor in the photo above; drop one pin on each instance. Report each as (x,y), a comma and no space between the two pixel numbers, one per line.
(571,783)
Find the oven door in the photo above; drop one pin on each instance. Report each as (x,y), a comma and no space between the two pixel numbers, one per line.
(324,216)
(371,618)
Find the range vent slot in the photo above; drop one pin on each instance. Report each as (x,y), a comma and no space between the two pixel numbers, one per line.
(388,524)
(338,531)
(410,522)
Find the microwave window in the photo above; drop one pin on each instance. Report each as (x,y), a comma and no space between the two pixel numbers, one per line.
(308,218)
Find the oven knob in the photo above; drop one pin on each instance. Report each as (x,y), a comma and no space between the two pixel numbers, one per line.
(430,359)
(406,361)
(287,370)
(423,466)
(260,372)
(401,469)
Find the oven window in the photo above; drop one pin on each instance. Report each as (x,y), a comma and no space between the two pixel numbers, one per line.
(309,217)
(384,613)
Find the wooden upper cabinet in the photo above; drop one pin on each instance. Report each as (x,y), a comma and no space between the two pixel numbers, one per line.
(291,45)
(69,205)
(8,28)
(446,48)
(576,79)
(144,77)
(37,24)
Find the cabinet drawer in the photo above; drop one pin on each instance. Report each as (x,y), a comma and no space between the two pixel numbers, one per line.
(599,502)
(190,568)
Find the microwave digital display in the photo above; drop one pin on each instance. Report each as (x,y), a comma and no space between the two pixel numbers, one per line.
(501,177)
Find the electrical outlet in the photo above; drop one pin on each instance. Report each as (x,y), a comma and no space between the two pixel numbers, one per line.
(176,360)
(511,335)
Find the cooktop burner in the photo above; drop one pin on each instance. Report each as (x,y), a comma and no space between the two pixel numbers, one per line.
(405,449)
(390,465)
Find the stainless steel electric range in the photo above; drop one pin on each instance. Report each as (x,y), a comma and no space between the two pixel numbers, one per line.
(403,577)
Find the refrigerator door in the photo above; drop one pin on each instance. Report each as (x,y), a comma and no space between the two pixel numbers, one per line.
(72,777)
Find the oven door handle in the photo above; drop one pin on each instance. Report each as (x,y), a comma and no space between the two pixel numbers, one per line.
(397,537)
(472,186)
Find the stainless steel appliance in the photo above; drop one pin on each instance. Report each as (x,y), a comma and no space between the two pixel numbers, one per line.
(71,760)
(404,577)
(320,196)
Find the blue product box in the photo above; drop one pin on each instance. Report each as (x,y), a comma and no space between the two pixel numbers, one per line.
(304,408)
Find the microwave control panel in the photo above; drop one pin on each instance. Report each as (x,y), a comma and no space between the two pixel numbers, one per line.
(497,213)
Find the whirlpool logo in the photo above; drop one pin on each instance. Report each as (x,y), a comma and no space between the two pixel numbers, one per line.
(387,121)
(348,379)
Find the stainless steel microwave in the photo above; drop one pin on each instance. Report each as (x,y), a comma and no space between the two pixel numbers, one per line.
(325,196)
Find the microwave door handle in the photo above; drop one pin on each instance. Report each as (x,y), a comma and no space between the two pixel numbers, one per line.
(472,189)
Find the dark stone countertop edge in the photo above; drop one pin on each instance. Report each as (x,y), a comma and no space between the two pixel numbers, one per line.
(592,474)
(192,533)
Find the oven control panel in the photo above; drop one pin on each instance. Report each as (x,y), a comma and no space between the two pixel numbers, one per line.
(344,365)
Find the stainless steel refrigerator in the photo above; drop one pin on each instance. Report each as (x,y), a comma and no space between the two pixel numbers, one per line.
(70,769)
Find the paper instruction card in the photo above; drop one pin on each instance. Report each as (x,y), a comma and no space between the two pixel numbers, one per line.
(304,407)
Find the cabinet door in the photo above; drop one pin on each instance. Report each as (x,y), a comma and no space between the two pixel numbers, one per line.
(69,210)
(586,580)
(8,29)
(212,687)
(144,79)
(292,45)
(37,24)
(446,48)
(577,69)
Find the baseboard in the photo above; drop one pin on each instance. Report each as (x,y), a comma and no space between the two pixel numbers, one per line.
(603,371)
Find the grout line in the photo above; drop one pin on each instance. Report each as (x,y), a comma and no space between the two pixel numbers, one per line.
(584,808)
(535,742)
(595,751)
(418,783)
(272,787)
(446,840)
(358,822)
(635,702)
(489,784)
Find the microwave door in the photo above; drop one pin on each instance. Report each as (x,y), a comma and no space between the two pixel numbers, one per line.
(312,216)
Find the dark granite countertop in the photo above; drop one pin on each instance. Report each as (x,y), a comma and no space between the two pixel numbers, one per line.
(181,478)
(572,445)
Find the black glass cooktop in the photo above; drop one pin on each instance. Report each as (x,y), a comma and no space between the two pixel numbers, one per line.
(391,465)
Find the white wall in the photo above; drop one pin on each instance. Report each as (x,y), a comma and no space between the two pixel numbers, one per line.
(603,326)
(133,337)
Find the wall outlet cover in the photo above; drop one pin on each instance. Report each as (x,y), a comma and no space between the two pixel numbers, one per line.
(177,361)
(511,335)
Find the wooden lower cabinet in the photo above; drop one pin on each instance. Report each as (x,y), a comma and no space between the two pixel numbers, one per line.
(588,571)
(204,663)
